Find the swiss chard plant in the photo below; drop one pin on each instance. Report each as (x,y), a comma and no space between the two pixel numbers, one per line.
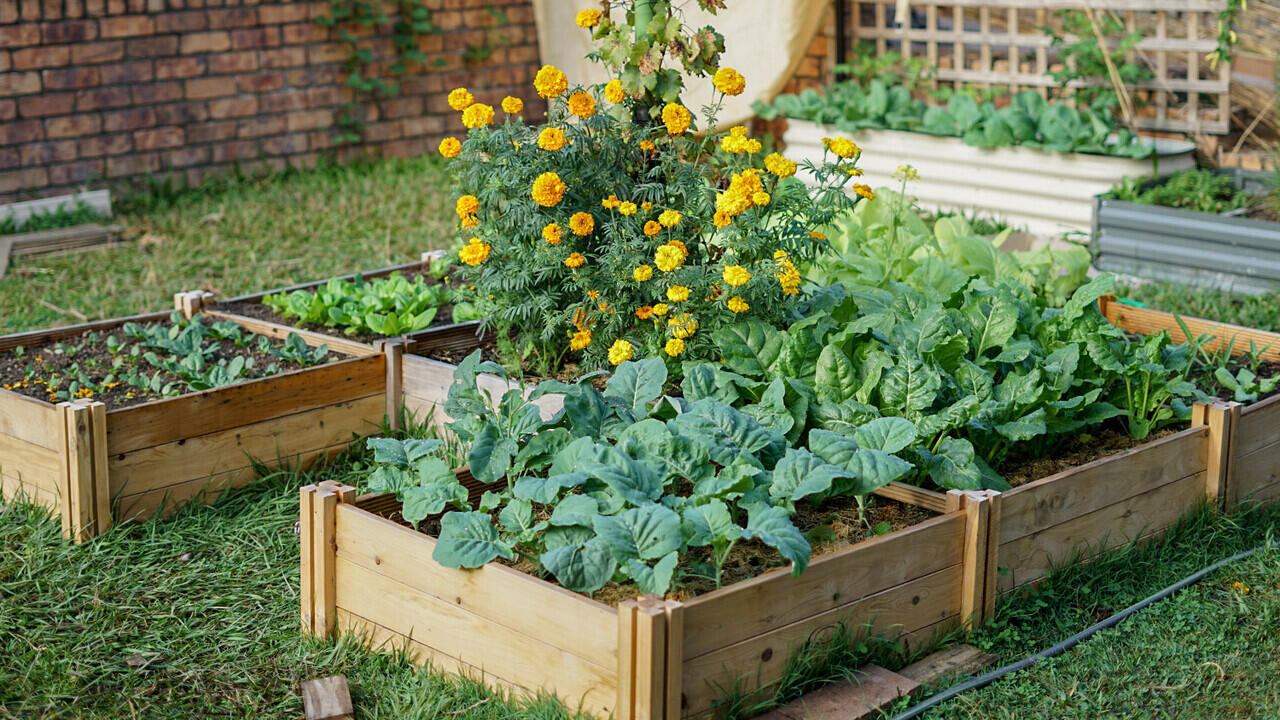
(386,306)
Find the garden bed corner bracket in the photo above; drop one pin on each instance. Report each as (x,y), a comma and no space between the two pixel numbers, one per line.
(318,538)
(191,302)
(981,551)
(86,492)
(1222,419)
(650,645)
(393,351)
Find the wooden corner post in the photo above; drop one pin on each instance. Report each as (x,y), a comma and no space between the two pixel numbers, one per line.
(190,303)
(981,553)
(318,505)
(1222,419)
(86,492)
(649,659)
(393,352)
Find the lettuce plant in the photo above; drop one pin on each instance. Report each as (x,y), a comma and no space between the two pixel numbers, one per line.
(386,306)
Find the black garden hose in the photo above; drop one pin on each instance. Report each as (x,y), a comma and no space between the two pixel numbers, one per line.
(988,678)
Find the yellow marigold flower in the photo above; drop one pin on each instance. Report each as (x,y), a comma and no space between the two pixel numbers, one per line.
(660,309)
(551,233)
(450,147)
(582,104)
(551,138)
(677,293)
(760,199)
(478,115)
(613,91)
(469,221)
(574,260)
(729,81)
(855,172)
(646,206)
(550,82)
(753,146)
(648,145)
(593,294)
(738,130)
(864,191)
(669,218)
(548,189)
(682,326)
(779,165)
(677,118)
(467,205)
(474,252)
(736,275)
(588,18)
(512,105)
(610,202)
(580,340)
(843,147)
(652,228)
(674,347)
(813,234)
(642,273)
(582,223)
(788,276)
(1240,588)
(620,351)
(733,144)
(644,312)
(628,209)
(737,304)
(721,218)
(460,99)
(669,257)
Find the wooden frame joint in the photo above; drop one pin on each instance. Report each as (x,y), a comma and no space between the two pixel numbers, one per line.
(1223,420)
(393,352)
(85,486)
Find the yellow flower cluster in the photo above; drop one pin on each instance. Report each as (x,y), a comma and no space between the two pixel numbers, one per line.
(582,104)
(460,99)
(842,147)
(588,18)
(467,207)
(450,147)
(682,326)
(474,252)
(737,142)
(551,138)
(745,191)
(575,260)
(648,145)
(677,293)
(642,273)
(737,305)
(620,351)
(550,82)
(580,340)
(548,189)
(736,275)
(661,309)
(779,165)
(582,224)
(610,202)
(729,81)
(478,115)
(905,173)
(512,105)
(613,91)
(627,209)
(677,118)
(670,256)
(674,347)
(551,233)
(669,218)
(787,274)
(864,191)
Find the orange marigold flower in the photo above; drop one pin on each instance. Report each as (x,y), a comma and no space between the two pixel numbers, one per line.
(450,147)
(550,82)
(652,228)
(477,116)
(551,233)
(729,81)
(582,223)
(574,260)
(582,104)
(613,91)
(588,18)
(677,118)
(512,105)
(548,189)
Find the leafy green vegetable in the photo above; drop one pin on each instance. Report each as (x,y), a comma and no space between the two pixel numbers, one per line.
(383,306)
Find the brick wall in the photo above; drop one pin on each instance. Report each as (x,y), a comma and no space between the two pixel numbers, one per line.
(95,91)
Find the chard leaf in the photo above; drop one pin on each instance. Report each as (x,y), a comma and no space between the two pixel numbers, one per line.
(710,522)
(656,579)
(952,465)
(773,527)
(1024,428)
(646,532)
(889,434)
(637,383)
(491,454)
(468,540)
(992,325)
(800,473)
(835,378)
(910,386)
(727,433)
(575,510)
(584,567)
(636,481)
(750,347)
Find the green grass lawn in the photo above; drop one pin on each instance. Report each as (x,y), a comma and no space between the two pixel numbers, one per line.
(1256,311)
(238,235)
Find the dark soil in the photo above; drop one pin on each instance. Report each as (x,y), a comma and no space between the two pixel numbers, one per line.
(1072,451)
(567,372)
(1265,370)
(52,360)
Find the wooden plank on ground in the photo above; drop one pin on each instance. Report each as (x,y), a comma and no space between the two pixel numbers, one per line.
(946,665)
(858,698)
(210,411)
(327,698)
(761,604)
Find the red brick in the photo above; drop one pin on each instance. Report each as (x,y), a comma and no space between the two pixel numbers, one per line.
(400,107)
(310,120)
(295,99)
(211,131)
(303,33)
(188,21)
(30,10)
(105,145)
(233,18)
(285,13)
(376,132)
(428,125)
(160,46)
(8,109)
(447,20)
(127,26)
(260,82)
(325,96)
(15,36)
(75,8)
(72,126)
(201,42)
(311,76)
(186,157)
(199,88)
(71,78)
(285,144)
(14,133)
(24,83)
(259,126)
(236,150)
(180,67)
(95,7)
(45,153)
(327,53)
(47,104)
(9,158)
(27,179)
(182,113)
(132,165)
(304,162)
(131,119)
(68,31)
(102,98)
(153,93)
(233,62)
(128,73)
(233,107)
(8,13)
(158,138)
(52,10)
(255,38)
(76,173)
(98,52)
(5,62)
(406,148)
(284,57)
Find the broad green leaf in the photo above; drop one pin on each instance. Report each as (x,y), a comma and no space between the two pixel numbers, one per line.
(728,483)
(637,383)
(517,516)
(425,500)
(889,434)
(952,466)
(727,433)
(468,540)
(1024,428)
(575,510)
(491,454)
(872,470)
(835,378)
(708,522)
(773,527)
(910,386)
(581,567)
(540,450)
(800,473)
(647,532)
(586,410)
(656,579)
(634,480)
(545,490)
(558,536)
(749,347)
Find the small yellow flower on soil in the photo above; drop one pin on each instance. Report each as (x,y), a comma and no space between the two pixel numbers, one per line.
(582,104)
(628,209)
(551,138)
(450,147)
(620,351)
(864,191)
(548,189)
(843,147)
(677,118)
(736,275)
(550,82)
(552,233)
(779,165)
(642,273)
(580,340)
(467,205)
(512,105)
(652,228)
(760,199)
(645,312)
(683,326)
(669,218)
(674,347)
(474,252)
(729,81)
(582,223)
(737,304)
(613,91)
(660,309)
(588,18)
(460,99)
(574,260)
(677,293)
(478,115)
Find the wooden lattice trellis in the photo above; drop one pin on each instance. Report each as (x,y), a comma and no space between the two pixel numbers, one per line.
(995,43)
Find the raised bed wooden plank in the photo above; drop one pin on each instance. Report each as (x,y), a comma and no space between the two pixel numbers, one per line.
(504,597)
(1257,474)
(1145,321)
(1259,426)
(280,332)
(151,424)
(32,470)
(427,381)
(1050,501)
(41,337)
(29,420)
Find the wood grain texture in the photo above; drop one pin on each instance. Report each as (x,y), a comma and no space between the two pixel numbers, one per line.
(30,420)
(776,599)
(1145,321)
(912,495)
(324,506)
(34,338)
(306,562)
(1259,426)
(1257,475)
(37,470)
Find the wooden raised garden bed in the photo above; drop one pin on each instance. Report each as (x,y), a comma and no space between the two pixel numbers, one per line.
(646,658)
(95,466)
